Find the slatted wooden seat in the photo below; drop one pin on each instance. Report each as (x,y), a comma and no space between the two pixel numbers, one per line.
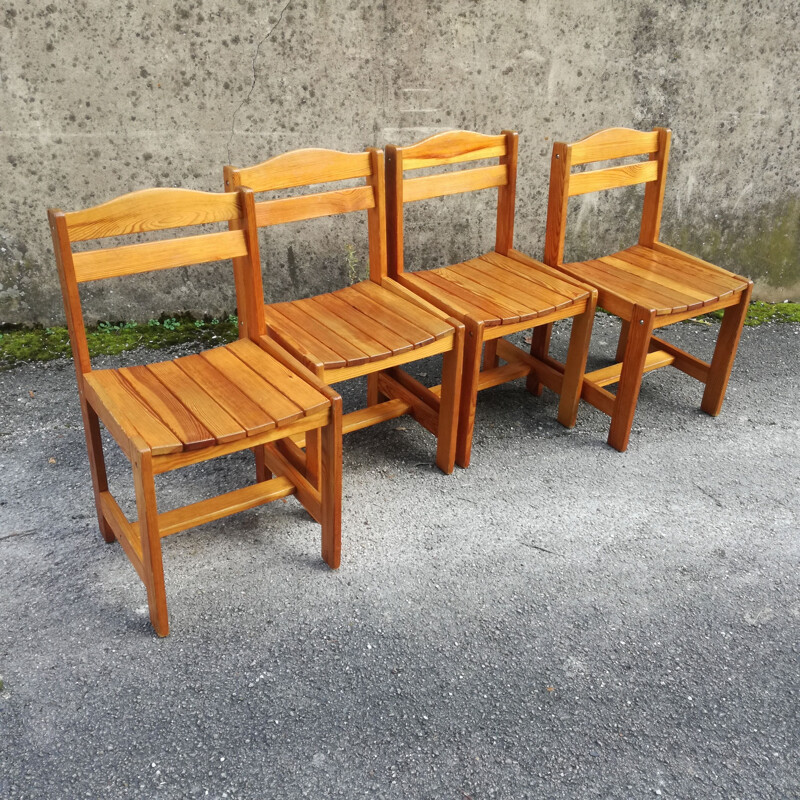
(372,327)
(247,395)
(497,293)
(649,285)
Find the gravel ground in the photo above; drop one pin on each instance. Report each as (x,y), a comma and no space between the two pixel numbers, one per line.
(557,621)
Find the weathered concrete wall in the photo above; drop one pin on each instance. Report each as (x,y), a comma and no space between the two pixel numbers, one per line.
(97,99)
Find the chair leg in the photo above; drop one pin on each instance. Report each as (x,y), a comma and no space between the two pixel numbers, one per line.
(575,366)
(330,438)
(623,340)
(447,435)
(473,341)
(313,457)
(147,510)
(540,347)
(630,380)
(97,465)
(263,472)
(724,353)
(373,395)
(490,359)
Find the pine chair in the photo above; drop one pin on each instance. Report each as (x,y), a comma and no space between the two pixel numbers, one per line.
(649,285)
(372,327)
(495,294)
(175,413)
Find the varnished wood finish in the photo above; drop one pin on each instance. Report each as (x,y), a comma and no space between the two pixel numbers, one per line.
(171,414)
(650,285)
(374,325)
(496,293)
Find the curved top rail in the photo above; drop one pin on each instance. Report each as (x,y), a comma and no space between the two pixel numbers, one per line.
(451,147)
(613,143)
(301,168)
(151,210)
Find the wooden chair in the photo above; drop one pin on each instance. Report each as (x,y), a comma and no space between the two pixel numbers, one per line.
(497,293)
(176,413)
(649,285)
(372,327)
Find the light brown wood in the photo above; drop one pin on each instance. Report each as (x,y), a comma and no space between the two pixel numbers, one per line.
(613,143)
(312,206)
(596,180)
(299,168)
(95,265)
(655,359)
(151,210)
(453,183)
(173,414)
(451,147)
(654,192)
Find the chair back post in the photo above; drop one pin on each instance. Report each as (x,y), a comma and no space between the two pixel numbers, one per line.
(654,192)
(394,209)
(70,294)
(247,272)
(557,201)
(507,195)
(376,218)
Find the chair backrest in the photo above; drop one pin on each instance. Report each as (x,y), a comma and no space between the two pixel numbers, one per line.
(606,145)
(451,147)
(313,166)
(147,211)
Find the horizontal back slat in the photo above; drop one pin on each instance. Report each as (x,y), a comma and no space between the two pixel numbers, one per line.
(598,179)
(304,168)
(293,209)
(130,259)
(452,147)
(467,180)
(151,210)
(613,143)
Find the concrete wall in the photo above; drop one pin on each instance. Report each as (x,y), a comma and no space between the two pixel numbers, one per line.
(97,99)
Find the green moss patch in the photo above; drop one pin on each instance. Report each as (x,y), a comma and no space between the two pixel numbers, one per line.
(19,344)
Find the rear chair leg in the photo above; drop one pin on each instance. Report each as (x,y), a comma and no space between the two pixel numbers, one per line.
(630,380)
(623,340)
(330,438)
(490,359)
(724,353)
(147,510)
(447,432)
(97,465)
(540,347)
(575,366)
(263,472)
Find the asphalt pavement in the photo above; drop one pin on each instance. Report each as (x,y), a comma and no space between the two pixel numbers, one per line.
(557,621)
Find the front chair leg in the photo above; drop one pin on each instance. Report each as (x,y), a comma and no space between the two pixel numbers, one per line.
(473,344)
(97,465)
(575,366)
(630,381)
(724,353)
(450,404)
(540,347)
(147,509)
(330,486)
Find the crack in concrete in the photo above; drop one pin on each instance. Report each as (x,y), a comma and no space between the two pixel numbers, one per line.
(17,533)
(255,78)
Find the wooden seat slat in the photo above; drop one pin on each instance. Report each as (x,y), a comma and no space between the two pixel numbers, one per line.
(671,299)
(477,305)
(264,394)
(283,379)
(387,316)
(537,274)
(278,323)
(636,266)
(223,427)
(717,275)
(125,404)
(166,407)
(483,284)
(320,308)
(411,311)
(248,414)
(306,319)
(533,297)
(358,315)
